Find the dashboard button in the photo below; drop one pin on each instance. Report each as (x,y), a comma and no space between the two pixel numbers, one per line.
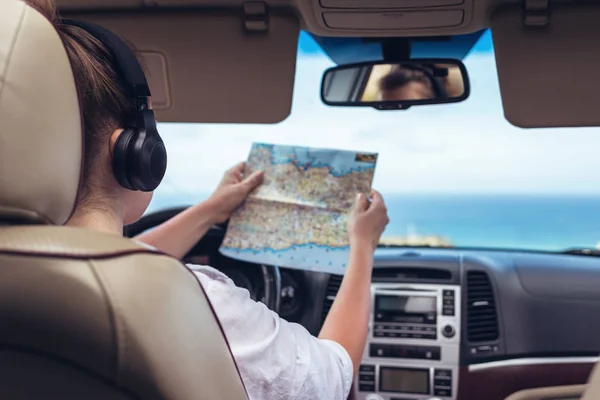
(366,368)
(443,373)
(432,353)
(380,350)
(448,310)
(444,382)
(487,349)
(363,387)
(403,351)
(442,392)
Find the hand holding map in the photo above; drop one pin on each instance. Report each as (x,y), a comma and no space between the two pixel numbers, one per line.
(367,220)
(297,218)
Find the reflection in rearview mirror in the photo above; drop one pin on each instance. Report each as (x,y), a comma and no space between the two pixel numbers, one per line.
(396,85)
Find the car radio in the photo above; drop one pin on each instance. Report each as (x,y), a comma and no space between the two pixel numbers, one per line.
(412,350)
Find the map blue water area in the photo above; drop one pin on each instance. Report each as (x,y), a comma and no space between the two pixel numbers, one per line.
(305,257)
(339,162)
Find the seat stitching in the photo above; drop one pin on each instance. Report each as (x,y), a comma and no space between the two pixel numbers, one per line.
(116,328)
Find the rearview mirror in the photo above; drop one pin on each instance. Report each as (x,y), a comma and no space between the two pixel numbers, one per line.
(394,86)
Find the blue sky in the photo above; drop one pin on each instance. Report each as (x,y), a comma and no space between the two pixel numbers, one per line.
(458,148)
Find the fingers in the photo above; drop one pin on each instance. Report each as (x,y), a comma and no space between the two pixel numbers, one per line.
(237,169)
(378,207)
(252,181)
(361,203)
(378,204)
(377,199)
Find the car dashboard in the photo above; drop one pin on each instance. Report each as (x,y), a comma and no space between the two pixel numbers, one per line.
(457,324)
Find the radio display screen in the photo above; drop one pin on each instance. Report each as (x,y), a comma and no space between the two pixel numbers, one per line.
(404,380)
(408,309)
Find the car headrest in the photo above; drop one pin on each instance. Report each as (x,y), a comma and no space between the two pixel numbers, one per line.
(41,140)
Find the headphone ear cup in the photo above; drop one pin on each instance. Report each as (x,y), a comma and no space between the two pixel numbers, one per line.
(152,163)
(148,154)
(147,161)
(120,157)
(139,155)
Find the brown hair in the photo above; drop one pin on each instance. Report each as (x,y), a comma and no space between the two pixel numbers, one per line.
(104,100)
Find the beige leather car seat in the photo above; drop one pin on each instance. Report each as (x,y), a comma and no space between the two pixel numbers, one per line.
(592,390)
(83,315)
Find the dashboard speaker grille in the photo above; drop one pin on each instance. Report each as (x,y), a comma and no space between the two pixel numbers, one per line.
(482,318)
(335,281)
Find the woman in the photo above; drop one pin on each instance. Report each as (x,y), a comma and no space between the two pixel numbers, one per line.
(277,359)
(403,84)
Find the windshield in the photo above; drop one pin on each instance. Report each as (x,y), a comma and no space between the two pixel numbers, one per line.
(452,175)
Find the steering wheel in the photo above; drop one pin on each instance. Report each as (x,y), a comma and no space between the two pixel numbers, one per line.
(270,273)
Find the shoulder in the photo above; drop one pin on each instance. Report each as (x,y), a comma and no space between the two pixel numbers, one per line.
(204,272)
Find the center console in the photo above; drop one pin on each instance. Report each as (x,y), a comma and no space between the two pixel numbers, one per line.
(413,345)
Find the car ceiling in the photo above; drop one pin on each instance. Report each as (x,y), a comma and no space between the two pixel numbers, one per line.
(233,61)
(340,17)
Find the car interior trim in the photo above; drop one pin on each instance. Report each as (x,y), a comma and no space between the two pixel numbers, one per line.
(517,362)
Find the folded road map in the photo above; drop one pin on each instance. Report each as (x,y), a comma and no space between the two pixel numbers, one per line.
(297,217)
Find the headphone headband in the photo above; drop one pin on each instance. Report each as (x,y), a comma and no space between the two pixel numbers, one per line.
(127,63)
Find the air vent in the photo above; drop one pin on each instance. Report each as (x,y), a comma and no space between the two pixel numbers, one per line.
(333,286)
(482,319)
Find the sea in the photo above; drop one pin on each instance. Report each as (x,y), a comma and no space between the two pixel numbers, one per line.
(544,222)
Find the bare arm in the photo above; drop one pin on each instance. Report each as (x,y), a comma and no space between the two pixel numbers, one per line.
(179,234)
(347,321)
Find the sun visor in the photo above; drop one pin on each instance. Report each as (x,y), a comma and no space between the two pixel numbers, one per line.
(214,67)
(548,65)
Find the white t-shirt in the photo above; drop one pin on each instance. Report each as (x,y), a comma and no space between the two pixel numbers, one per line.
(277,359)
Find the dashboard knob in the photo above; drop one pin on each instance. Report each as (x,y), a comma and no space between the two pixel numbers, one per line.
(448,331)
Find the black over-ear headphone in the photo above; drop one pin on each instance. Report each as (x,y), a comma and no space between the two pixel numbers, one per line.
(139,155)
